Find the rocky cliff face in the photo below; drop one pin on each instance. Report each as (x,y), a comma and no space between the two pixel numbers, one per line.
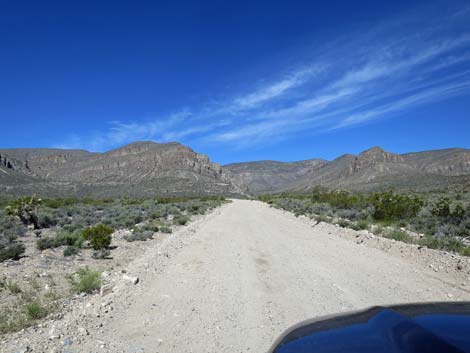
(135,169)
(272,176)
(373,169)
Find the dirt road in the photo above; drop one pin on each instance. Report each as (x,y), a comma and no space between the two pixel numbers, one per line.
(236,279)
(246,273)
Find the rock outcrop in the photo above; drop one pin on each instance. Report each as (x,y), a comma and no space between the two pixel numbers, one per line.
(139,169)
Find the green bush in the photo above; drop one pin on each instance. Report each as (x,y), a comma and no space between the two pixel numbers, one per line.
(11,251)
(71,250)
(321,218)
(46,220)
(99,229)
(86,281)
(465,251)
(181,220)
(13,287)
(354,226)
(165,229)
(62,238)
(378,230)
(45,243)
(444,243)
(35,311)
(153,227)
(69,238)
(441,208)
(99,236)
(394,207)
(100,241)
(458,213)
(399,236)
(139,236)
(363,224)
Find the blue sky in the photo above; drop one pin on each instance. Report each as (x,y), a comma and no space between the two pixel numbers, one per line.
(239,80)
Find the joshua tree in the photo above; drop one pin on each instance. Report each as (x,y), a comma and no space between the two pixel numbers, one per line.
(26,209)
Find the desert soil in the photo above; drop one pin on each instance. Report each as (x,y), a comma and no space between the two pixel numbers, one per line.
(234,280)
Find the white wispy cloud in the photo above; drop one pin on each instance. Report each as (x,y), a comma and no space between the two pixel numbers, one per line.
(277,89)
(359,79)
(431,95)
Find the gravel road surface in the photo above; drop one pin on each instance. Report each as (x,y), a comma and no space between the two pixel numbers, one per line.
(247,272)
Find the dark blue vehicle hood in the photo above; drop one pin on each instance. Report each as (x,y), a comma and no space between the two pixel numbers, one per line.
(420,328)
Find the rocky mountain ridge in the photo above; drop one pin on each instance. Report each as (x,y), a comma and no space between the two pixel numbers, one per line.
(144,168)
(137,169)
(373,169)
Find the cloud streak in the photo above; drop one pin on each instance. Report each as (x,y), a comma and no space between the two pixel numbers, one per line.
(364,78)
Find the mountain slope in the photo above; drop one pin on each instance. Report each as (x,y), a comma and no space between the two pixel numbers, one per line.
(139,169)
(272,176)
(143,169)
(373,169)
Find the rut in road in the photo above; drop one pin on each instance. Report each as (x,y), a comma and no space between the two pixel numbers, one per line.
(247,272)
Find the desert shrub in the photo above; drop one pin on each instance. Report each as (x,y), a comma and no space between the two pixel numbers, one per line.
(46,220)
(323,209)
(138,219)
(99,236)
(458,213)
(360,225)
(445,230)
(321,218)
(86,281)
(338,198)
(76,225)
(71,250)
(181,220)
(392,206)
(139,236)
(11,251)
(354,226)
(378,230)
(126,221)
(344,223)
(35,311)
(463,230)
(45,243)
(159,213)
(13,287)
(165,229)
(441,208)
(399,236)
(101,254)
(100,241)
(69,238)
(348,214)
(465,251)
(153,227)
(11,228)
(62,238)
(363,224)
(443,243)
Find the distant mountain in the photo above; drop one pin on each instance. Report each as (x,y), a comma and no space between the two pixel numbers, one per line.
(139,169)
(272,176)
(143,169)
(374,169)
